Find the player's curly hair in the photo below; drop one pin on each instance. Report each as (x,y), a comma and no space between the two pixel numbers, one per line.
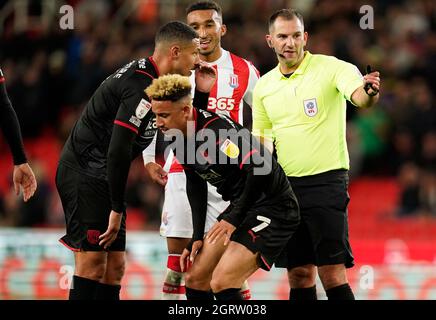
(171,87)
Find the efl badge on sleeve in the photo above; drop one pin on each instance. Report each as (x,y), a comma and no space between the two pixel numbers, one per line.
(233,82)
(142,109)
(230,149)
(310,107)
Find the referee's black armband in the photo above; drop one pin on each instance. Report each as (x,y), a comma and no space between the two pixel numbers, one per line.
(201,100)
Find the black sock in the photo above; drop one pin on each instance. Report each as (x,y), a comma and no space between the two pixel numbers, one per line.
(342,292)
(303,293)
(229,294)
(83,289)
(107,292)
(194,294)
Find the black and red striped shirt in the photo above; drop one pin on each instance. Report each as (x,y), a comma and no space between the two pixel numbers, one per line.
(232,160)
(116,125)
(119,101)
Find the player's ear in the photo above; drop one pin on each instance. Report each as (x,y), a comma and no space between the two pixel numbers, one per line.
(268,40)
(175,51)
(305,36)
(223,29)
(186,110)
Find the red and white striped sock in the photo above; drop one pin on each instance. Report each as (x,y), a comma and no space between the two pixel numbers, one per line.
(174,283)
(245,291)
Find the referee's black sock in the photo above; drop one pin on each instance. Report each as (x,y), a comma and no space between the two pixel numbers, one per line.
(229,294)
(194,294)
(107,292)
(83,289)
(303,294)
(342,292)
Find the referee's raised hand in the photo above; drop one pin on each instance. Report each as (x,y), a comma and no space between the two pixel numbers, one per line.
(372,81)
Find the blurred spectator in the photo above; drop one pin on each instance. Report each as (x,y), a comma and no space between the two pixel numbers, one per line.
(408,177)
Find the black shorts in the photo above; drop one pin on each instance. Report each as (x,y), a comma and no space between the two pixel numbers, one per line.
(263,232)
(87,206)
(322,236)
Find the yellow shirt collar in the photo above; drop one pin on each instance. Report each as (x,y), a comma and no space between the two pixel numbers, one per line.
(301,68)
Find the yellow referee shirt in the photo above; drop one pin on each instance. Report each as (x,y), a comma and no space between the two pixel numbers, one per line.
(305,114)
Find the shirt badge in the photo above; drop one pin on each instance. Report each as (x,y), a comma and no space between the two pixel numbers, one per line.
(230,149)
(233,82)
(142,109)
(310,107)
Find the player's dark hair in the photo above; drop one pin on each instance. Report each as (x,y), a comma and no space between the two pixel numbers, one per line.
(205,5)
(287,14)
(175,31)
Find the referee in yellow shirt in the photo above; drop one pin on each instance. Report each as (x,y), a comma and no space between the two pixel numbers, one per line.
(300,106)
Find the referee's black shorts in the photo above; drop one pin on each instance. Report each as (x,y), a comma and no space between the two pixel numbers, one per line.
(266,229)
(87,207)
(322,236)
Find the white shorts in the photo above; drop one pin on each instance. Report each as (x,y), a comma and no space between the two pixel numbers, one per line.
(176,213)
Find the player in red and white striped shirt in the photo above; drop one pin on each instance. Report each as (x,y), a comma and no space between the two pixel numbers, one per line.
(232,96)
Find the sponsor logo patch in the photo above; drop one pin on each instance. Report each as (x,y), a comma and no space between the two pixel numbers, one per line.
(230,149)
(142,109)
(135,121)
(310,107)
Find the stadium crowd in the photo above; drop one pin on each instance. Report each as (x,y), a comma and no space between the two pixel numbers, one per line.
(51,73)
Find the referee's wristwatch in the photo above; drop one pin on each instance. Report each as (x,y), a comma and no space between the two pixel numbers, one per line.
(367,87)
(374,93)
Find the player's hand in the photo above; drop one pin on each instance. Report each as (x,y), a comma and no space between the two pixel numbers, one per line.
(205,77)
(371,81)
(220,229)
(111,233)
(184,261)
(156,173)
(24,178)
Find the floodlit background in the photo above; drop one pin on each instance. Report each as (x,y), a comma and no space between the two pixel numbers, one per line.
(51,73)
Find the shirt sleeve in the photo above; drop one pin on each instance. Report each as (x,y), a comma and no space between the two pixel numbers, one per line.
(132,110)
(201,99)
(262,125)
(10,125)
(118,165)
(196,189)
(252,80)
(149,153)
(348,78)
(158,151)
(134,104)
